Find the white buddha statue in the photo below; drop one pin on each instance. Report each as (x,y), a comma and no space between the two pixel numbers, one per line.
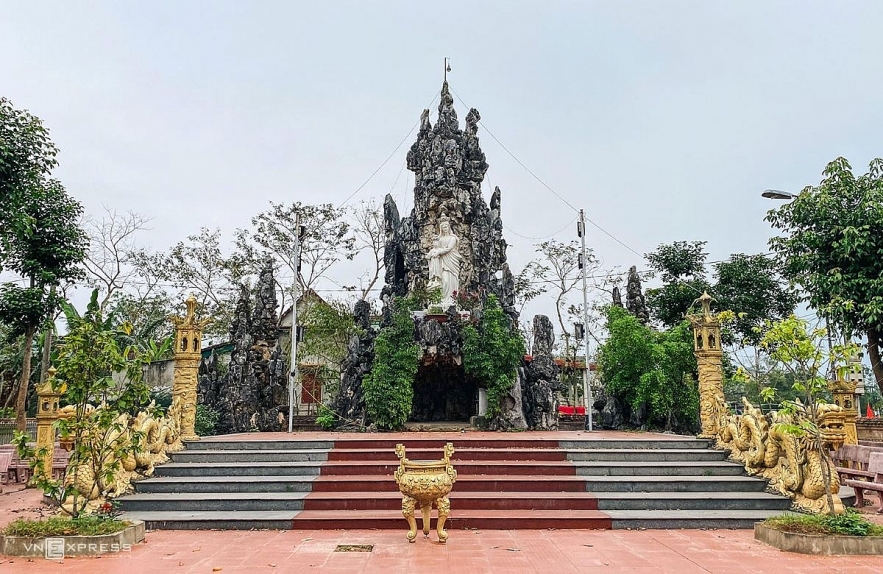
(444,262)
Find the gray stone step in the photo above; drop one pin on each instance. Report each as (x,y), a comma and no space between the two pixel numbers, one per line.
(637,444)
(269,483)
(205,501)
(220,442)
(674,484)
(645,455)
(214,520)
(691,501)
(237,469)
(658,468)
(692,519)
(251,455)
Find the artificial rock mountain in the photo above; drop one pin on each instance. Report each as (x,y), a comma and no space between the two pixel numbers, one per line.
(449,168)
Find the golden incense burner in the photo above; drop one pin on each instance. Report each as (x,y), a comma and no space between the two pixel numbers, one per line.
(423,482)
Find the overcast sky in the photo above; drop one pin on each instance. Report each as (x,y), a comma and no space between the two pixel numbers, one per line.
(663,120)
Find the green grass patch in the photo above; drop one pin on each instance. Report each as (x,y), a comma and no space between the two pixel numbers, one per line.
(851,523)
(64,526)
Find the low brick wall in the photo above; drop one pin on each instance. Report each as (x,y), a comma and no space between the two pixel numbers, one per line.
(869,429)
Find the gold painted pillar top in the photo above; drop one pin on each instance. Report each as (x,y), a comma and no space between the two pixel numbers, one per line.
(188,331)
(843,394)
(706,327)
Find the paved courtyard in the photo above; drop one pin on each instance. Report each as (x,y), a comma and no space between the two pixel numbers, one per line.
(467,551)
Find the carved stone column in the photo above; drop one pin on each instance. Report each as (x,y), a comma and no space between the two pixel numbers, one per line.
(843,393)
(47,414)
(188,352)
(706,347)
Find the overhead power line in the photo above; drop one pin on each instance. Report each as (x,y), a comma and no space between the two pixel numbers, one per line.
(389,157)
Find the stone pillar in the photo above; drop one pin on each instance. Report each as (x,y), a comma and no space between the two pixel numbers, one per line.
(706,341)
(188,353)
(47,414)
(844,394)
(482,402)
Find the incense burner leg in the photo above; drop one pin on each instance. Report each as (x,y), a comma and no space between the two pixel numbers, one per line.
(408,505)
(426,509)
(444,510)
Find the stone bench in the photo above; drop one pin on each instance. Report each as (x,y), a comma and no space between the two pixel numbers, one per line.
(875,483)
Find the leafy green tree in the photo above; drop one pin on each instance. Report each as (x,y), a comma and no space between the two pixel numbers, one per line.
(48,252)
(88,358)
(27,156)
(389,387)
(681,267)
(642,366)
(831,245)
(752,287)
(11,360)
(328,326)
(492,352)
(799,350)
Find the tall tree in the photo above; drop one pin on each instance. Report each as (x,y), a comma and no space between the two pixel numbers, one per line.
(831,245)
(557,269)
(27,155)
(47,252)
(110,260)
(752,287)
(681,267)
(199,266)
(328,238)
(370,238)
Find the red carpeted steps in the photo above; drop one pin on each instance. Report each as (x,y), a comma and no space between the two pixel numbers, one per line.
(502,483)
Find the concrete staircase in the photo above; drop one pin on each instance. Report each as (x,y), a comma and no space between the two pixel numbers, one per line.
(539,481)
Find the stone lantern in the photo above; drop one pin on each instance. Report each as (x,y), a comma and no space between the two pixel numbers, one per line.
(707,348)
(47,413)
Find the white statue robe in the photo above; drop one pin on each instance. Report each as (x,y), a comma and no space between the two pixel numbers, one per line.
(444,267)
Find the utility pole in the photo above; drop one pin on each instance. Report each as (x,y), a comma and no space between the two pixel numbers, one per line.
(292,368)
(583,264)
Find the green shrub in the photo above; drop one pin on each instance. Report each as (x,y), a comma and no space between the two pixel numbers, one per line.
(389,387)
(206,420)
(641,366)
(492,352)
(162,398)
(85,525)
(850,523)
(326,418)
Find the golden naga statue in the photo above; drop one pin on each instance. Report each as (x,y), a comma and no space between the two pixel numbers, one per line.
(155,437)
(794,463)
(424,482)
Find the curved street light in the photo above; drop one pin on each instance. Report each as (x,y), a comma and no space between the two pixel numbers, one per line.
(777,194)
